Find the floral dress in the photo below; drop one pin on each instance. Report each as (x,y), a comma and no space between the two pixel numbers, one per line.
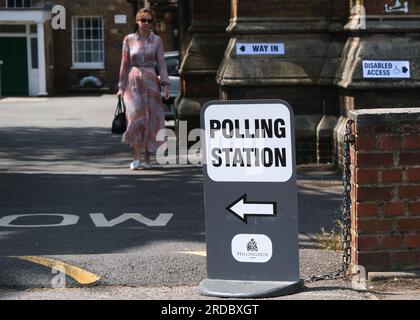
(141,57)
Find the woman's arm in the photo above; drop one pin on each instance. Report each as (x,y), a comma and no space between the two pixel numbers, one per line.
(125,66)
(161,63)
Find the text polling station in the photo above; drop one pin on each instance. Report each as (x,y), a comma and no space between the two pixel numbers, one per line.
(249,142)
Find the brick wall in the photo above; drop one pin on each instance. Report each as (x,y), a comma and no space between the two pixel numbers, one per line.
(386,189)
(65,75)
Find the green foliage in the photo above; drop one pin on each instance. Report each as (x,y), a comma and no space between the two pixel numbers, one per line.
(333,239)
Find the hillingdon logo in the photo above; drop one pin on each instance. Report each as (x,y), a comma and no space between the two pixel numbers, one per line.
(252,248)
(252,251)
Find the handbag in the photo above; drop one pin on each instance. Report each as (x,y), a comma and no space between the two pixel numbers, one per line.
(119,124)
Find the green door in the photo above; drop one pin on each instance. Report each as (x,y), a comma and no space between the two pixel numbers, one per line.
(14,71)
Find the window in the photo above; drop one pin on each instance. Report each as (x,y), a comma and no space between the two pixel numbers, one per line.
(12,28)
(88,42)
(19,3)
(34,53)
(172,63)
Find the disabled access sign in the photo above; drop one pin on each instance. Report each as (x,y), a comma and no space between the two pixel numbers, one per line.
(384,69)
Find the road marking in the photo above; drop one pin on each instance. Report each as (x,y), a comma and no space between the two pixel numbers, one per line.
(78,274)
(195,253)
(12,99)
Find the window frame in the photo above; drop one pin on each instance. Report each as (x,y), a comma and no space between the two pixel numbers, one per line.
(87,65)
(15,6)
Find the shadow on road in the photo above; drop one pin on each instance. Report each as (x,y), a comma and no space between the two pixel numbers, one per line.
(52,159)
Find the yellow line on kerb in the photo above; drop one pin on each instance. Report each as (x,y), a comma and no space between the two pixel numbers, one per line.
(78,274)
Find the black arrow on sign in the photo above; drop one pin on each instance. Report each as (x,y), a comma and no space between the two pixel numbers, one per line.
(242,48)
(405,69)
(242,209)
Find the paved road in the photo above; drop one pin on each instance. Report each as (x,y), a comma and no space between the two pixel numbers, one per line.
(141,229)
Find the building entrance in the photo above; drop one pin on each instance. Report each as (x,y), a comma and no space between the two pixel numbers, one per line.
(14,70)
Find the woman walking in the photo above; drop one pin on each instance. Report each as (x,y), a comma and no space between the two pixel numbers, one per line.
(139,86)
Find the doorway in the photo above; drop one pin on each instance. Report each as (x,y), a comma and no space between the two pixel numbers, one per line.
(14,70)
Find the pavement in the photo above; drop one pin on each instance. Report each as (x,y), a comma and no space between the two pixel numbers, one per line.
(60,149)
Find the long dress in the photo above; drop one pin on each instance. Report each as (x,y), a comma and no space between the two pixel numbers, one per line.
(141,57)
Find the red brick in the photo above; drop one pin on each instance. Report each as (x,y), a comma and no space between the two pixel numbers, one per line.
(392,242)
(391,176)
(369,160)
(413,174)
(406,258)
(366,143)
(366,176)
(374,193)
(409,192)
(395,209)
(373,128)
(374,260)
(406,128)
(366,209)
(414,208)
(410,158)
(411,142)
(413,241)
(389,142)
(367,243)
(408,224)
(374,226)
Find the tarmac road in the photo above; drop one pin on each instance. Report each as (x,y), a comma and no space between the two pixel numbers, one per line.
(57,157)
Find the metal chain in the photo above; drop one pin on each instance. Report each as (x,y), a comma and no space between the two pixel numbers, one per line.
(346,213)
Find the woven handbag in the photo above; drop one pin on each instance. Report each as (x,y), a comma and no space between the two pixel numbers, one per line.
(119,124)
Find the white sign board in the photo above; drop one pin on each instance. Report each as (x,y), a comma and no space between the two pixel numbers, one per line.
(252,248)
(260,48)
(384,69)
(120,19)
(249,143)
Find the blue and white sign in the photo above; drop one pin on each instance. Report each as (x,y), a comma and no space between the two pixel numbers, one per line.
(260,49)
(384,69)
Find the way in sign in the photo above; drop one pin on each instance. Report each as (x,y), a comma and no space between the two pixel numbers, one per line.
(260,48)
(265,48)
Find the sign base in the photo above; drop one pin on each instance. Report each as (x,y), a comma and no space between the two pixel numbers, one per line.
(248,289)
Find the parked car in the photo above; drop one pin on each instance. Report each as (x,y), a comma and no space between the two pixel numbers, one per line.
(172,63)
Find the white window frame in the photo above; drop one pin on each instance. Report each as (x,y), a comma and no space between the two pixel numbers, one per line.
(86,65)
(15,6)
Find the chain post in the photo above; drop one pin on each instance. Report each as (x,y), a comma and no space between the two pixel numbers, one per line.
(346,212)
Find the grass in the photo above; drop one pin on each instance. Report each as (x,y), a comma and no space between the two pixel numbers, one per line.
(333,239)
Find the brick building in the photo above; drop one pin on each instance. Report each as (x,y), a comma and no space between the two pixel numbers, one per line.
(41,60)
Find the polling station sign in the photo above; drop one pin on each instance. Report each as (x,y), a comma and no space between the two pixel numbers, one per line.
(384,69)
(249,143)
(250,197)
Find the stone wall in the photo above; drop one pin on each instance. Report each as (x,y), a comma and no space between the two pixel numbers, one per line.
(202,59)
(303,76)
